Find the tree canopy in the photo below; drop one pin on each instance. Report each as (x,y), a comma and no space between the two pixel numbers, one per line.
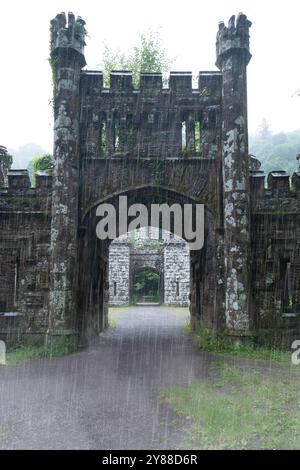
(148,55)
(5,158)
(41,163)
(276,151)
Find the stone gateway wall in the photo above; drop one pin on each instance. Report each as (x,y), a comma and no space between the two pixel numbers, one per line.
(119,276)
(154,144)
(169,258)
(25,220)
(177,274)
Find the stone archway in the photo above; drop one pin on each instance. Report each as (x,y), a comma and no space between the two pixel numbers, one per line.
(108,141)
(207,295)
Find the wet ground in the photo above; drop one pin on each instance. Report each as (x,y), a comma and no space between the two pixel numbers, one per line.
(106,397)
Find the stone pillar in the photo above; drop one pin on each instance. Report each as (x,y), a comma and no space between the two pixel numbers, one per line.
(67,60)
(233,57)
(119,270)
(176,273)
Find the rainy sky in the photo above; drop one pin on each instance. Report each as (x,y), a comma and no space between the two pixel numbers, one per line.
(188,29)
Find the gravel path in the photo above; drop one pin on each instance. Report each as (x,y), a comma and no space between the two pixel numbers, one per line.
(106,397)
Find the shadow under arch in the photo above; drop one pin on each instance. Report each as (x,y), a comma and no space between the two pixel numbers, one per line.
(206,296)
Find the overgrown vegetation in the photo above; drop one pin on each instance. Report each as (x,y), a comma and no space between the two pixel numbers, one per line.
(221,343)
(237,409)
(27,351)
(146,286)
(5,158)
(147,243)
(148,55)
(40,163)
(112,322)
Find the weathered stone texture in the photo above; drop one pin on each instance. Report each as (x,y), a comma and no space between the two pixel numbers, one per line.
(177,273)
(119,275)
(170,260)
(142,143)
(25,218)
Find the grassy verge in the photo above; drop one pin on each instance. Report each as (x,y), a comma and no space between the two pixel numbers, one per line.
(112,322)
(220,343)
(114,314)
(28,352)
(235,409)
(119,307)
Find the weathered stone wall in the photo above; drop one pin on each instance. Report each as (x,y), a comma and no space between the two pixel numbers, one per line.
(177,273)
(119,272)
(148,122)
(67,59)
(142,143)
(169,257)
(275,239)
(24,254)
(233,56)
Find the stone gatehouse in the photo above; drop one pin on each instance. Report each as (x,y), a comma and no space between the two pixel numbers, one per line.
(146,250)
(141,142)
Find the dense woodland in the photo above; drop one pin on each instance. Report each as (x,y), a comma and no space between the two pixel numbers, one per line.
(276,151)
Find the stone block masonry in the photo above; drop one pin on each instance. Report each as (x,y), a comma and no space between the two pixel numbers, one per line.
(133,253)
(155,145)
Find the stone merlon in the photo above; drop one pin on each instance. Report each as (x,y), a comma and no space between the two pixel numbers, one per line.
(233,37)
(68,34)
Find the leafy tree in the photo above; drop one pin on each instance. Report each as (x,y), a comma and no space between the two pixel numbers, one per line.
(146,285)
(5,163)
(151,276)
(148,55)
(41,163)
(276,151)
(5,158)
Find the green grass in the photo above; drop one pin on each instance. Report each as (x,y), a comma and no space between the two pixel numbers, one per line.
(28,352)
(112,322)
(176,307)
(222,344)
(3,432)
(234,409)
(119,307)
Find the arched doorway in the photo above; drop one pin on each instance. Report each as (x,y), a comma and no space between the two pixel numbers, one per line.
(146,286)
(206,292)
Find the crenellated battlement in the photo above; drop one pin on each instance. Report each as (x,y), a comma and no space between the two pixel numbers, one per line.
(154,119)
(209,82)
(20,196)
(67,32)
(280,184)
(235,36)
(161,142)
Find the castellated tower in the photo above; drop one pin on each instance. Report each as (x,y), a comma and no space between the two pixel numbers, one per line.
(67,60)
(155,144)
(233,57)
